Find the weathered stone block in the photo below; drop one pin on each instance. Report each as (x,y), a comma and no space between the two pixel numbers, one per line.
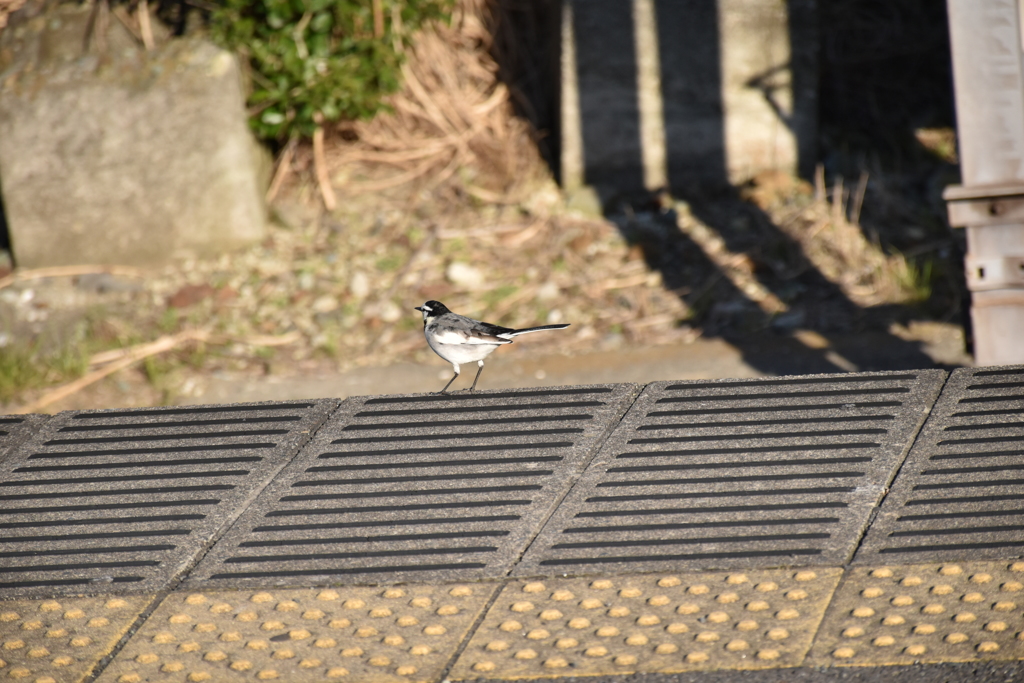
(113,154)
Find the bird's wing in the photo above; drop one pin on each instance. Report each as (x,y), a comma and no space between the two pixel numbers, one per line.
(473,335)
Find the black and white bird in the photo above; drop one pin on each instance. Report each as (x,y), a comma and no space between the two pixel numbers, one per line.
(460,340)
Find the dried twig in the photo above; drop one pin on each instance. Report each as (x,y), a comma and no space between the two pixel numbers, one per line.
(322,178)
(21,275)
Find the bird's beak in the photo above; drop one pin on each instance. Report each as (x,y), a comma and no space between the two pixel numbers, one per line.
(419,308)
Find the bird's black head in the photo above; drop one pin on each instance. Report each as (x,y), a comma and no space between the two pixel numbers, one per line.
(432,309)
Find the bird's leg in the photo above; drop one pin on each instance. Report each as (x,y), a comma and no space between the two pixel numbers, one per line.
(456,368)
(478,371)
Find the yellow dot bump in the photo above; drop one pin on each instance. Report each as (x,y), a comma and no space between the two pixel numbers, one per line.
(394,640)
(31,626)
(147,658)
(287,606)
(766,587)
(19,672)
(951,570)
(407,620)
(241,665)
(9,616)
(1017,567)
(669,581)
(1012,587)
(707,637)
(379,661)
(190,646)
(697,657)
(964,618)
(987,646)
(86,641)
(510,626)
(550,615)
(496,646)
(625,660)
(980,577)
(63,661)
(658,600)
(267,674)
(172,667)
(324,642)
(56,633)
(596,651)
(284,653)
(607,632)
(924,629)
(736,579)
(420,650)
(698,589)
(130,678)
(435,630)
(247,616)
(956,638)
(601,584)
(220,608)
(484,666)
(893,620)
(727,598)
(872,592)
(215,656)
(630,593)
(272,625)
(116,603)
(313,614)
(718,617)
(45,679)
(205,627)
(257,645)
(538,634)
(579,623)
(972,597)
(882,573)
(230,636)
(366,632)
(562,595)
(354,603)
(460,591)
(327,595)
(687,608)
(1004,606)
(299,634)
(902,601)
(309,663)
(50,606)
(195,599)
(787,614)
(521,606)
(637,639)
(526,654)
(883,641)
(757,606)
(591,603)
(534,587)
(942,589)
(853,632)
(648,620)
(996,626)
(677,627)
(618,611)
(746,625)
(566,643)
(863,612)
(933,608)
(352,652)
(337,672)
(805,575)
(199,676)
(406,670)
(911,581)
(843,652)
(393,593)
(768,655)
(261,597)
(556,663)
(777,634)
(736,645)
(38,652)
(666,648)
(74,614)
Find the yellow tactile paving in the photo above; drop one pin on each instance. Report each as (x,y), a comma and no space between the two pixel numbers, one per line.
(379,634)
(649,623)
(924,613)
(59,641)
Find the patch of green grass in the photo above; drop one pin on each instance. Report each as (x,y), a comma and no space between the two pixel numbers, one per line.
(389,263)
(498,293)
(24,366)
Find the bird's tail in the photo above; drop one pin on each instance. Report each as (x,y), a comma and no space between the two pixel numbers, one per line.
(525,330)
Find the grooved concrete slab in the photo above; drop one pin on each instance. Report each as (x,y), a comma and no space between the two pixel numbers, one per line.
(14,429)
(394,634)
(903,614)
(109,501)
(752,474)
(649,623)
(960,493)
(420,487)
(62,641)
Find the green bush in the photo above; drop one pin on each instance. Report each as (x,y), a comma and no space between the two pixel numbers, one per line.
(319,60)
